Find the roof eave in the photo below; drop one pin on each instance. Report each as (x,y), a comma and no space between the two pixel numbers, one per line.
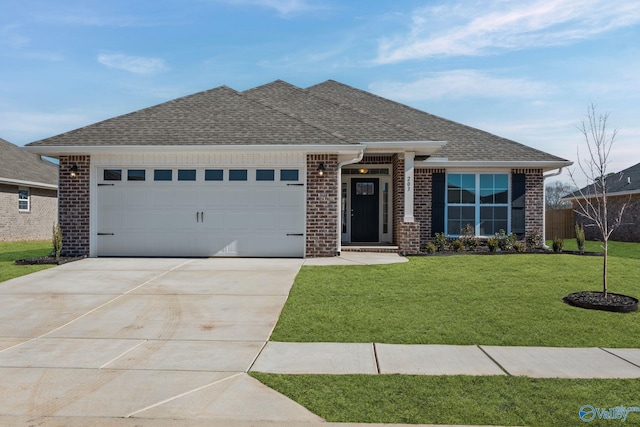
(435,162)
(32,184)
(421,148)
(57,151)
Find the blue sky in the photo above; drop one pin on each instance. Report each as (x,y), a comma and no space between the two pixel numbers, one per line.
(524,69)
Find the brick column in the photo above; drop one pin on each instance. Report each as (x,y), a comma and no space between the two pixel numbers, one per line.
(405,234)
(534,200)
(322,206)
(73,205)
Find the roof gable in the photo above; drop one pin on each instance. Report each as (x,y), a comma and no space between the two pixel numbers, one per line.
(18,165)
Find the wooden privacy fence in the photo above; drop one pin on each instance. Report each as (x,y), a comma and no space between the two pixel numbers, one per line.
(560,223)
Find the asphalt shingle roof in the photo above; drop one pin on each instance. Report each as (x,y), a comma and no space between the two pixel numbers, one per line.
(622,182)
(280,113)
(16,164)
(464,143)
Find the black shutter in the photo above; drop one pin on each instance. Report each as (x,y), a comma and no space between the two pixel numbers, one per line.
(437,203)
(518,205)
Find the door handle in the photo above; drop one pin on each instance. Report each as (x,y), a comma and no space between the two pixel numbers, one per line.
(201,216)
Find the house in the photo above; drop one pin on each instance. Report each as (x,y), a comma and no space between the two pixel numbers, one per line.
(622,188)
(28,195)
(281,171)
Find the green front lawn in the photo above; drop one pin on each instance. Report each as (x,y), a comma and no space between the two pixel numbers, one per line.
(11,251)
(466,299)
(466,400)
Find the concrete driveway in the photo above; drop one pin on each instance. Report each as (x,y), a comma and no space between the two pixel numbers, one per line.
(102,340)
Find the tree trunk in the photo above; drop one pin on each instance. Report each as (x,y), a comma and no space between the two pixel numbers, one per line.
(604,269)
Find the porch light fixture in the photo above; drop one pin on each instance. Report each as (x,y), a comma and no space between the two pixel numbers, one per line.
(363,171)
(321,169)
(73,171)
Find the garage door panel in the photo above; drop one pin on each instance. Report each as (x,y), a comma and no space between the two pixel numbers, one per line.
(201,218)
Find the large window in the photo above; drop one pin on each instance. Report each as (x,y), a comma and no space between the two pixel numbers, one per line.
(478,200)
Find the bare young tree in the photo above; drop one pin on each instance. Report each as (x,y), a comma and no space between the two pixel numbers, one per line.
(591,201)
(554,192)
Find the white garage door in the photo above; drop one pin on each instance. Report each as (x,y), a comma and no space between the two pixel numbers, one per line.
(201,212)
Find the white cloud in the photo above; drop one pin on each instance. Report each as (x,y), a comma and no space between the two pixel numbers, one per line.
(134,64)
(479,28)
(460,84)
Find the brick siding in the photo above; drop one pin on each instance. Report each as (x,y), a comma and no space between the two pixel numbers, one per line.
(73,205)
(322,206)
(35,224)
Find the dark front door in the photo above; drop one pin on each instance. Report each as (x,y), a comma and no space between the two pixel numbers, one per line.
(365,209)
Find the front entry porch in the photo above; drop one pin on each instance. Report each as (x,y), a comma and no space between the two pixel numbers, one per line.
(366,206)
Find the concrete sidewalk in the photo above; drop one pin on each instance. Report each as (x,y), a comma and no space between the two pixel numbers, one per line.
(374,358)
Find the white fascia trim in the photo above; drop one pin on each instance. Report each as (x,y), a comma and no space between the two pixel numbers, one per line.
(31,184)
(54,151)
(418,147)
(444,163)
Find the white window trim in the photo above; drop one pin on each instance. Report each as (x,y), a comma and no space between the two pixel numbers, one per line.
(477,204)
(28,199)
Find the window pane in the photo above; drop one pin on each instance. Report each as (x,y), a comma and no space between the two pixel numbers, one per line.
(501,181)
(365,188)
(486,196)
(265,175)
(468,197)
(237,175)
(486,181)
(112,174)
(23,194)
(289,175)
(502,196)
(454,196)
(162,175)
(186,174)
(135,175)
(469,182)
(453,180)
(213,175)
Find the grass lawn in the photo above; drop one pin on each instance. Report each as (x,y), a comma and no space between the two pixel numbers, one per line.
(455,399)
(11,251)
(466,299)
(470,299)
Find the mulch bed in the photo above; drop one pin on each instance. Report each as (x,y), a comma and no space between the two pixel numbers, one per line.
(47,260)
(596,301)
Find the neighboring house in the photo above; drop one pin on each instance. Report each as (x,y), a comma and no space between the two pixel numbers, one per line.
(287,172)
(28,195)
(622,188)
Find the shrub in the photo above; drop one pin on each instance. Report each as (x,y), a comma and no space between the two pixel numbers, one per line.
(520,247)
(505,243)
(558,243)
(57,240)
(580,237)
(431,248)
(469,238)
(534,241)
(492,244)
(457,245)
(440,242)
